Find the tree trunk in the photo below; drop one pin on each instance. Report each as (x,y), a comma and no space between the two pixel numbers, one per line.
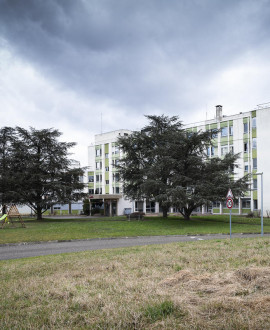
(4,209)
(39,212)
(165,212)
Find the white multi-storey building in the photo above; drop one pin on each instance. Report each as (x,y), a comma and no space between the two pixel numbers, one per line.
(105,189)
(246,134)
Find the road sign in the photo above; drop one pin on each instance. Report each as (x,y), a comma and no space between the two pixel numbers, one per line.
(229,203)
(229,194)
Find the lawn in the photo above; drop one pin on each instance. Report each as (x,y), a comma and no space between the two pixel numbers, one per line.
(67,229)
(221,284)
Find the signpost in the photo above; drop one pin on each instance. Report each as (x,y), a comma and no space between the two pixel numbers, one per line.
(229,204)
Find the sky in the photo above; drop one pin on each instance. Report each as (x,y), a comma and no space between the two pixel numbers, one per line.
(91,66)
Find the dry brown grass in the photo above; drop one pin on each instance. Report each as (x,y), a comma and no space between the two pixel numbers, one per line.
(210,285)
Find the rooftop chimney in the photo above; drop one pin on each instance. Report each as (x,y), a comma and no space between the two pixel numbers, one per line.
(219,112)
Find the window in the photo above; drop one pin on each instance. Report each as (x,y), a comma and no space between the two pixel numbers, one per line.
(231,149)
(245,128)
(98,178)
(107,181)
(107,168)
(246,203)
(115,150)
(254,163)
(245,146)
(106,155)
(255,204)
(214,133)
(115,177)
(210,151)
(254,123)
(224,131)
(150,207)
(91,191)
(254,143)
(91,178)
(138,206)
(246,167)
(255,184)
(224,150)
(117,190)
(98,152)
(231,130)
(98,191)
(98,165)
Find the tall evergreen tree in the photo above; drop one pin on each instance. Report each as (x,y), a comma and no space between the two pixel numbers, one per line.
(7,136)
(42,174)
(165,163)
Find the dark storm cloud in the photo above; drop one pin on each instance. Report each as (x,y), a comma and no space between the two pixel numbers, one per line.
(137,53)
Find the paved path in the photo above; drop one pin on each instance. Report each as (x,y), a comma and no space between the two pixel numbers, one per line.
(24,250)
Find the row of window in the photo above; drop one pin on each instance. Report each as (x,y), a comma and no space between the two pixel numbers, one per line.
(98,191)
(246,204)
(115,178)
(115,162)
(254,165)
(115,151)
(212,151)
(229,130)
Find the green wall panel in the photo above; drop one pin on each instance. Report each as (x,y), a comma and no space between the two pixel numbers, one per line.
(224,141)
(223,124)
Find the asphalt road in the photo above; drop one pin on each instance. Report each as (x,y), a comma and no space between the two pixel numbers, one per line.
(25,250)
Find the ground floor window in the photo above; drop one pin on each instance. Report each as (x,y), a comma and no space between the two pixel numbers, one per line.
(150,207)
(138,206)
(255,203)
(246,204)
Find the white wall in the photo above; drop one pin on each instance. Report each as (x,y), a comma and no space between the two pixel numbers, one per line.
(263,156)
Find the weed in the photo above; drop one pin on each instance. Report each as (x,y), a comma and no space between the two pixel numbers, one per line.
(159,311)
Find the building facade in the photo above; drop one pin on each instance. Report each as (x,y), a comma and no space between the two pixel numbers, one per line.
(246,134)
(104,187)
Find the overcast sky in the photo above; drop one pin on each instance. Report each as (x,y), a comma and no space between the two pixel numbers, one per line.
(68,63)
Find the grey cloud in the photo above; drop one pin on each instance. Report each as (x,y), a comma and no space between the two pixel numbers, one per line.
(141,53)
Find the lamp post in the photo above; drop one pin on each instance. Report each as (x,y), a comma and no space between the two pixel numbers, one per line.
(261,174)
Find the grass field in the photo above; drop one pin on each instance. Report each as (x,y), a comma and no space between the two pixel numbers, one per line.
(195,285)
(66,229)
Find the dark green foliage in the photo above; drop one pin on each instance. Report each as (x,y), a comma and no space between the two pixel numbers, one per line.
(165,163)
(86,206)
(40,171)
(6,160)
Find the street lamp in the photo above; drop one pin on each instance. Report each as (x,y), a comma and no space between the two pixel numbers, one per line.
(261,174)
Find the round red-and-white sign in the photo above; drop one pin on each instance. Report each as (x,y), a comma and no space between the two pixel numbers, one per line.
(229,203)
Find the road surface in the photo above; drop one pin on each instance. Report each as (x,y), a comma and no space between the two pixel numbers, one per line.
(25,250)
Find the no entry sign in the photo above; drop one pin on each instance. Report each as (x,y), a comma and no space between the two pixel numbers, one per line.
(229,203)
